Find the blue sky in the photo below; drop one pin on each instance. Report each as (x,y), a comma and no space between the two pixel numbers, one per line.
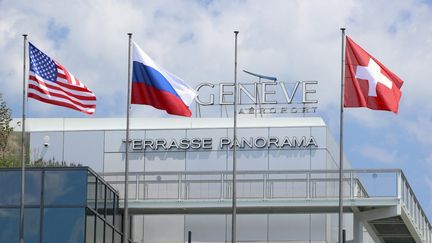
(293,40)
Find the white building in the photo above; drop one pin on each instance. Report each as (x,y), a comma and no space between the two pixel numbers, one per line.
(287,179)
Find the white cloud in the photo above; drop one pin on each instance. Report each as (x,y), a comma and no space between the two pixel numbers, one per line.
(421,128)
(293,40)
(379,154)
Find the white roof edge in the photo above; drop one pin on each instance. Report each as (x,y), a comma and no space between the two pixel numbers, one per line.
(87,124)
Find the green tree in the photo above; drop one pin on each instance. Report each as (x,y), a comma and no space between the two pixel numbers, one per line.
(5,128)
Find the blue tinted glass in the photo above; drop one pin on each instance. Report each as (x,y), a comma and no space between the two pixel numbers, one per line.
(10,194)
(65,188)
(9,225)
(33,183)
(63,225)
(31,225)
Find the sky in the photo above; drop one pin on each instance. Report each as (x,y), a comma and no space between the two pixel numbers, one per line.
(293,40)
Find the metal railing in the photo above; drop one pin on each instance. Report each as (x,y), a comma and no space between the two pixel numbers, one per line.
(271,185)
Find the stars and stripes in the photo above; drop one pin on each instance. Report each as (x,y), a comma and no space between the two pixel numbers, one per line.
(51,83)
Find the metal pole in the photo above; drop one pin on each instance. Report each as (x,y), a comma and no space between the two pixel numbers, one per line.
(21,229)
(340,235)
(189,236)
(126,209)
(234,183)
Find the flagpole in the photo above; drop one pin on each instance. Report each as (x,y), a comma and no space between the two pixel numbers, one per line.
(126,208)
(234,172)
(340,228)
(21,229)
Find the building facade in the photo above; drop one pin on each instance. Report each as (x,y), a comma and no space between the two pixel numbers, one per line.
(181,181)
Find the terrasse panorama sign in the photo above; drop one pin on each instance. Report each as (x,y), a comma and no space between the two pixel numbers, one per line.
(298,97)
(224,143)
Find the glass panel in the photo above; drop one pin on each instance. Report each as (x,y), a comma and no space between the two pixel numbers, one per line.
(117,237)
(33,185)
(101,198)
(31,225)
(10,195)
(65,188)
(55,220)
(110,206)
(100,231)
(9,221)
(90,227)
(91,191)
(118,217)
(108,234)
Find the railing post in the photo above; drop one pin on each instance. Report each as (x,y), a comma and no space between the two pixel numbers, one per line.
(222,188)
(308,185)
(265,186)
(137,187)
(351,186)
(179,181)
(399,185)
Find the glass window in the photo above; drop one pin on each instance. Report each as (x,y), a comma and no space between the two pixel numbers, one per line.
(101,198)
(10,195)
(100,231)
(90,227)
(9,221)
(65,188)
(91,191)
(33,185)
(31,225)
(118,219)
(109,206)
(117,237)
(55,220)
(108,234)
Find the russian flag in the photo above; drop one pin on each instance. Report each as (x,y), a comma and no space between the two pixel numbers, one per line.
(152,85)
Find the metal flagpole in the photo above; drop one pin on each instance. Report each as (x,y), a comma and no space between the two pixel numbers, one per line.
(21,229)
(234,175)
(126,209)
(341,140)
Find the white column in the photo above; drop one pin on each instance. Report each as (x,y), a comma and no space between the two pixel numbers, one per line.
(358,229)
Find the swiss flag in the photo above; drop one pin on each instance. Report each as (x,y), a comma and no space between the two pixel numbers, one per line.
(368,83)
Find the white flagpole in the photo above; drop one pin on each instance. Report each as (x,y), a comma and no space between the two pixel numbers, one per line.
(234,172)
(126,208)
(21,229)
(340,228)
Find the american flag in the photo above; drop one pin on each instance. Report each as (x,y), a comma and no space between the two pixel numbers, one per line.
(51,83)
